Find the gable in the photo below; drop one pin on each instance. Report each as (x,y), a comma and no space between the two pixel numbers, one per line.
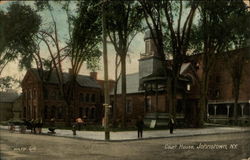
(29,78)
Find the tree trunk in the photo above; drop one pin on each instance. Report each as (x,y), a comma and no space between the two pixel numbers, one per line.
(236,98)
(115,92)
(174,94)
(203,99)
(123,101)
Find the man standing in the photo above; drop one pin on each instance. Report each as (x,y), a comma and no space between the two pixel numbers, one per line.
(139,125)
(171,125)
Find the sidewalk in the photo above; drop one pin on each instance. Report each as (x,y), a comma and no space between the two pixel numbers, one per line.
(132,135)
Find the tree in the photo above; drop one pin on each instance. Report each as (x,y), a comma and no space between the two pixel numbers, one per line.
(123,23)
(82,45)
(7,82)
(235,62)
(17,34)
(214,35)
(86,36)
(165,21)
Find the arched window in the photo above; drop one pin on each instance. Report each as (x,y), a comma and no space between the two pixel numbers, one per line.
(34,94)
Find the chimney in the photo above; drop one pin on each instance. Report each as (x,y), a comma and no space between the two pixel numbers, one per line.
(93,75)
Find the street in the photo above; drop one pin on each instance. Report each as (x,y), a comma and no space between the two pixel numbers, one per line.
(15,146)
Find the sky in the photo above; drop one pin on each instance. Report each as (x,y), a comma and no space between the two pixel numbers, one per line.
(136,47)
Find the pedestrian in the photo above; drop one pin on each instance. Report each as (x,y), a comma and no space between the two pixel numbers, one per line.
(171,125)
(32,124)
(52,126)
(36,125)
(40,125)
(79,122)
(140,126)
(74,129)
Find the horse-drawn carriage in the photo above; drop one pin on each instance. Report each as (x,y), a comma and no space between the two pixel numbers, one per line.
(22,126)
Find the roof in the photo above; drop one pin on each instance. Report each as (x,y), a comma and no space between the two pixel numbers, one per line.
(82,80)
(133,80)
(132,84)
(8,97)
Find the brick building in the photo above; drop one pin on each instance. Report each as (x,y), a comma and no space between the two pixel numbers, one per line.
(42,99)
(147,96)
(221,94)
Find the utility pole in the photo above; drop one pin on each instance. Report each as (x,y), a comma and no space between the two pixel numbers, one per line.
(106,82)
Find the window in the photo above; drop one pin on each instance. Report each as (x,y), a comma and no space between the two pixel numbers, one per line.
(129,106)
(80,97)
(60,97)
(45,93)
(92,115)
(24,112)
(217,79)
(25,95)
(93,98)
(87,112)
(179,108)
(34,112)
(34,94)
(87,97)
(148,104)
(217,93)
(80,112)
(60,112)
(53,94)
(29,94)
(53,112)
(28,110)
(46,112)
